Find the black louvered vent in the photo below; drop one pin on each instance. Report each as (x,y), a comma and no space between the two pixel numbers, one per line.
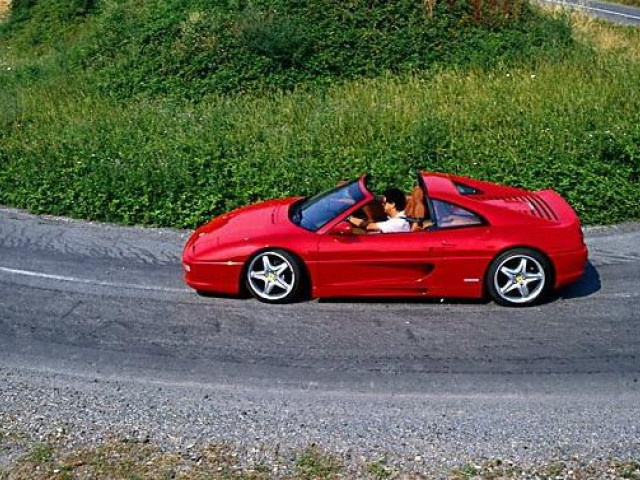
(537,207)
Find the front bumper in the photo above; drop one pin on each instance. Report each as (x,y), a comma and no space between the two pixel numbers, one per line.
(215,277)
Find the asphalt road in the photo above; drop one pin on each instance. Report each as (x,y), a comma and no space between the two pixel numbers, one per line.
(82,303)
(607,11)
(112,299)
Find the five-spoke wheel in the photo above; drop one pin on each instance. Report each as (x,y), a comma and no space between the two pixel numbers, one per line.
(519,277)
(274,276)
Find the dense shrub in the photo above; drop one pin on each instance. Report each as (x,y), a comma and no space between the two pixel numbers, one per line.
(191,47)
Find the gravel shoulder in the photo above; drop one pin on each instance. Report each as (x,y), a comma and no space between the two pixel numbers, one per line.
(429,434)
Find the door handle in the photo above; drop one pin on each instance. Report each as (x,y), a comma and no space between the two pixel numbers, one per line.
(448,244)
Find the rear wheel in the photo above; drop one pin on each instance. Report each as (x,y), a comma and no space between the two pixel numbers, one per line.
(274,276)
(519,277)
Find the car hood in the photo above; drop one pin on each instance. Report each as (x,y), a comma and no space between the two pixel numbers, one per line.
(245,221)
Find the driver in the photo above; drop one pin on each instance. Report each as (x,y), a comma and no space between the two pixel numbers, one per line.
(394,203)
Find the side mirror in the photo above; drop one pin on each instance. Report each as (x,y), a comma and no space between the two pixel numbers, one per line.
(342,228)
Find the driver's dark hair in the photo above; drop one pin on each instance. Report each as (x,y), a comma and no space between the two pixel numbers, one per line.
(395,196)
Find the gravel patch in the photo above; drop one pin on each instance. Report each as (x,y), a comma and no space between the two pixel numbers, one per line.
(423,434)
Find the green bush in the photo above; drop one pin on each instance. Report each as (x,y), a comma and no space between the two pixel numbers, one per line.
(285,40)
(190,48)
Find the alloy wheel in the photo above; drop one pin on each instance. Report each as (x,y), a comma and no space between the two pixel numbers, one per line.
(271,276)
(519,279)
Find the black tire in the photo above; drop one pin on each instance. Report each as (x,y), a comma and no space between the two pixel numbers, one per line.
(512,283)
(286,285)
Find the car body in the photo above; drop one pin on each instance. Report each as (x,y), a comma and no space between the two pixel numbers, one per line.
(485,239)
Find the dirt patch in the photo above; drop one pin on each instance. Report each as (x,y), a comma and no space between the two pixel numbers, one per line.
(5,5)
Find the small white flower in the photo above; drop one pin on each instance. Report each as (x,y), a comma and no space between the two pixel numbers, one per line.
(533,76)
(8,68)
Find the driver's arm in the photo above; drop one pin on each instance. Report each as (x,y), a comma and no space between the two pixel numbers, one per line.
(364,224)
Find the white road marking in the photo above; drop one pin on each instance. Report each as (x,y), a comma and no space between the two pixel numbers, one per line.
(153,288)
(620,295)
(60,278)
(584,7)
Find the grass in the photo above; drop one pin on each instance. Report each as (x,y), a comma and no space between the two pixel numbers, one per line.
(378,471)
(606,38)
(40,453)
(498,469)
(130,459)
(569,121)
(313,463)
(572,126)
(144,460)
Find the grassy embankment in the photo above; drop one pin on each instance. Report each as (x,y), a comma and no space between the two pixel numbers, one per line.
(168,112)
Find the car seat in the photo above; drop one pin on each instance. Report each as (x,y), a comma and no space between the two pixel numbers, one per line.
(416,210)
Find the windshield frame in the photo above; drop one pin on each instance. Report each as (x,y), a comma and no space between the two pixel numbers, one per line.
(303,204)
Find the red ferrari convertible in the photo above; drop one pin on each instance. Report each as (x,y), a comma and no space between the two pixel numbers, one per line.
(468,238)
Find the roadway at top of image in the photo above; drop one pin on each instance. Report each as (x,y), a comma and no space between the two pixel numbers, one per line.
(611,12)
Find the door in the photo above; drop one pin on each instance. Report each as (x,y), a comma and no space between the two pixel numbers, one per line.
(375,264)
(442,262)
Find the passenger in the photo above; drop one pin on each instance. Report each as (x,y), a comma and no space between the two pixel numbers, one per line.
(416,210)
(394,203)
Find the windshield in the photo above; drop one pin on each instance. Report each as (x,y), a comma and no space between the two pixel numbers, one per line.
(312,213)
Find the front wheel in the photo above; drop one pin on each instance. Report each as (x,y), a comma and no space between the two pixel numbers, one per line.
(274,276)
(519,277)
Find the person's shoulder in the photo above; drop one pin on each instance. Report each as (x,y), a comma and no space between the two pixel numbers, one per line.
(403,222)
(395,225)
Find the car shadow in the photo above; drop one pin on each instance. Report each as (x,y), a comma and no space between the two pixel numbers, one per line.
(586,286)
(237,296)
(405,300)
